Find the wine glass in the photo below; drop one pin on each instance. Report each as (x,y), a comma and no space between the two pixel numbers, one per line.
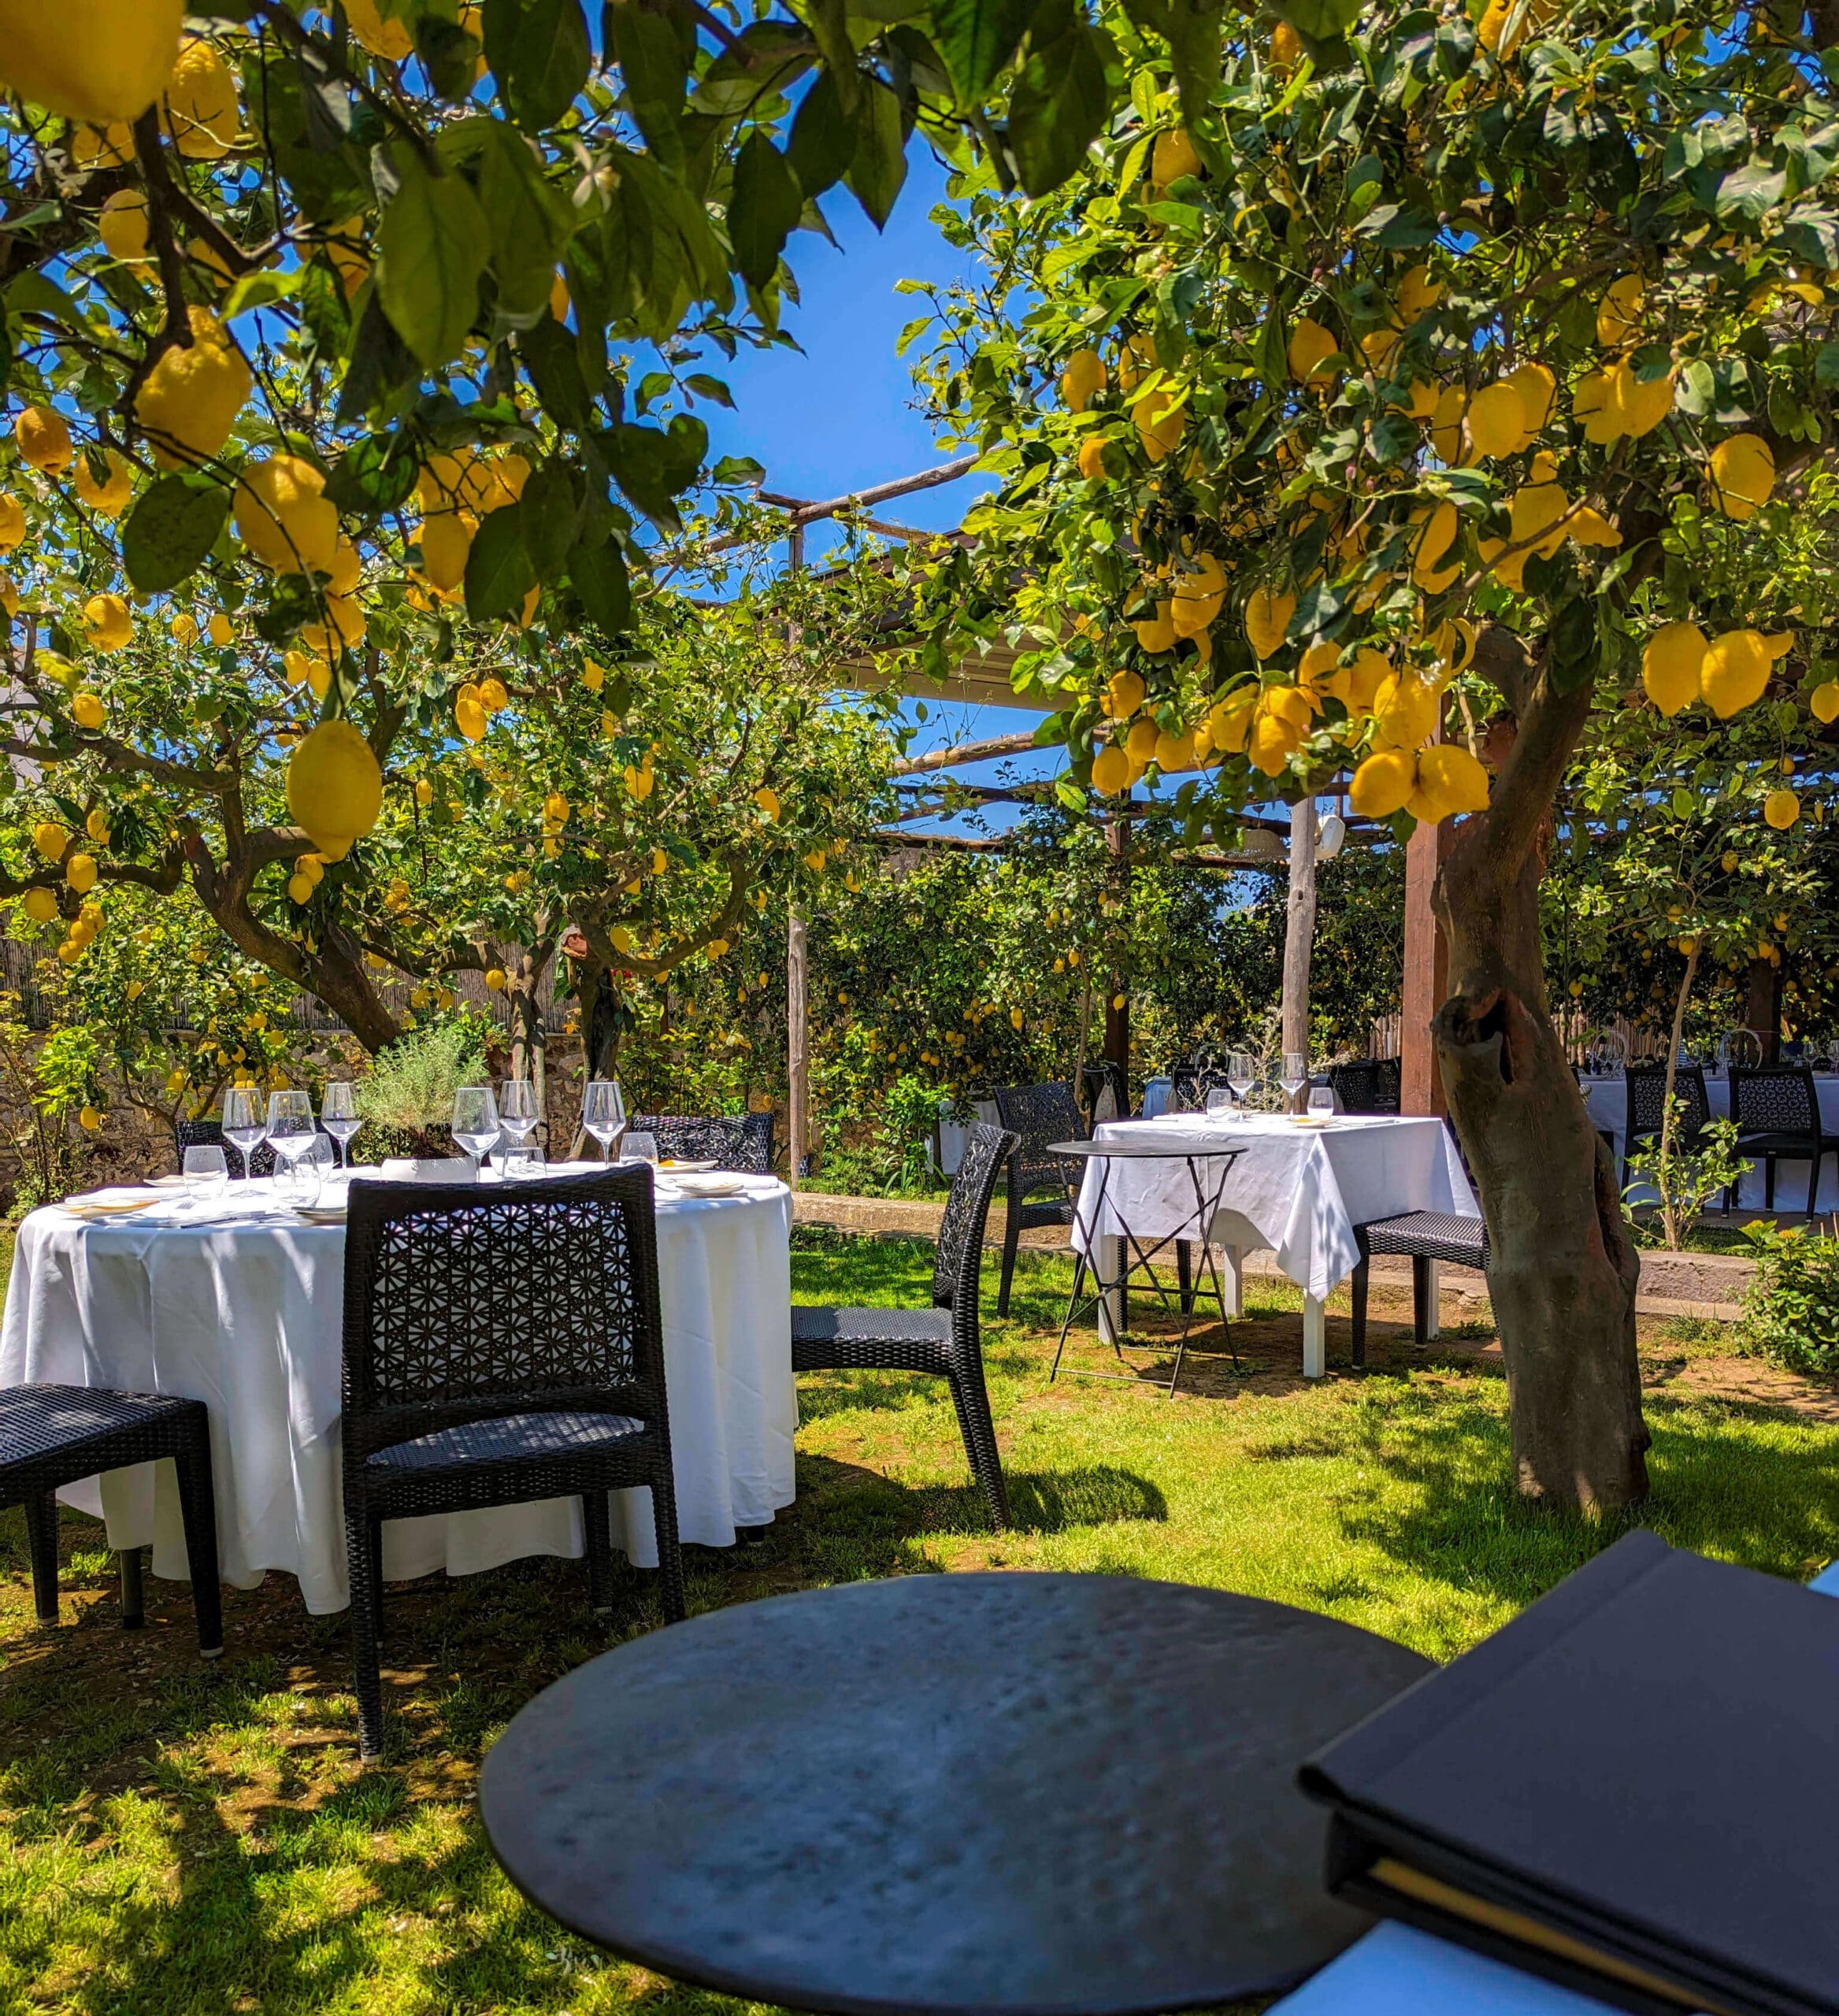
(339,1115)
(1293,1075)
(476,1125)
(1241,1073)
(603,1114)
(516,1109)
(243,1125)
(291,1129)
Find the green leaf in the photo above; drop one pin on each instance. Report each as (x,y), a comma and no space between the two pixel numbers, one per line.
(829,21)
(655,466)
(260,289)
(1061,98)
(551,509)
(432,246)
(1194,44)
(528,220)
(170,532)
(879,165)
(599,573)
(449,54)
(822,140)
(977,38)
(1752,190)
(763,211)
(540,55)
(553,359)
(499,575)
(1321,20)
(652,66)
(377,473)
(380,363)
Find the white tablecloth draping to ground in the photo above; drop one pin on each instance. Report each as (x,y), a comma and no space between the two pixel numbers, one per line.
(1608,1099)
(247,1317)
(1298,1190)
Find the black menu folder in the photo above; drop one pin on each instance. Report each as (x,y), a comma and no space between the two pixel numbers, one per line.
(1632,1789)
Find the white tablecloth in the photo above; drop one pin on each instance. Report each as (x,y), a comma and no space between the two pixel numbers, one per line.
(1608,1099)
(1298,1190)
(247,1317)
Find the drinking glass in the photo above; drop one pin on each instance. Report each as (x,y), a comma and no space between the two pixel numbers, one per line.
(603,1114)
(476,1126)
(639,1147)
(516,1108)
(1294,1076)
(243,1120)
(291,1130)
(302,1176)
(520,1160)
(207,1174)
(338,1114)
(1241,1073)
(1219,1103)
(1321,1099)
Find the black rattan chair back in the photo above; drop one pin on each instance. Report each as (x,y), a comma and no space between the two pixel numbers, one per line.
(1038,1116)
(209,1134)
(959,1260)
(466,1305)
(736,1141)
(1775,1098)
(1372,1084)
(1647,1099)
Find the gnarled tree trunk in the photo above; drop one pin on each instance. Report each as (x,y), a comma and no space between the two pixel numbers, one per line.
(1563,1268)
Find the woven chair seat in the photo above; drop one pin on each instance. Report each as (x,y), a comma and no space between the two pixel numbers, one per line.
(1428,1235)
(1770,1143)
(539,1437)
(892,1327)
(1031,1217)
(64,1421)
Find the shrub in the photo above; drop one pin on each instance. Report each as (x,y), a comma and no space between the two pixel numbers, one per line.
(1686,1178)
(1791,1312)
(410,1086)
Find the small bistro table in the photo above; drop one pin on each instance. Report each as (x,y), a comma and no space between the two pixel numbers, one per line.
(1298,1186)
(971,1795)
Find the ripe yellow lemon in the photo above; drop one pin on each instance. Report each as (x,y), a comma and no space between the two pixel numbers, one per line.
(1156,634)
(1405,708)
(41,905)
(1497,420)
(446,539)
(1286,49)
(1593,406)
(469,718)
(1267,616)
(1125,692)
(104,147)
(1781,808)
(767,799)
(1450,781)
(50,839)
(1618,314)
(1173,156)
(201,114)
(1139,743)
(43,438)
(1534,511)
(1160,427)
(1743,475)
(1736,672)
(1640,405)
(283,517)
(1311,347)
(111,497)
(300,888)
(1383,782)
(1082,380)
(1446,423)
(98,61)
(1419,291)
(1537,388)
(96,826)
(391,39)
(12,521)
(1824,701)
(1110,770)
(1673,666)
(193,395)
(1174,752)
(1091,458)
(122,225)
(87,711)
(108,623)
(334,788)
(79,871)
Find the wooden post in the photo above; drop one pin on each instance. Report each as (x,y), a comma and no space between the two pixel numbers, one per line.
(1300,927)
(1117,1018)
(1762,1008)
(1426,985)
(798,1060)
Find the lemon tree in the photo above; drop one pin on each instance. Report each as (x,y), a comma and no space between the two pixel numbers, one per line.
(1379,411)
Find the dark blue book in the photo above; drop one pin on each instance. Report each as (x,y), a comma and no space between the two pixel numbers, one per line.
(1632,1790)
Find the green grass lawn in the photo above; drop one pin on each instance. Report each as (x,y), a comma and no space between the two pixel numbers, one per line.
(182,1837)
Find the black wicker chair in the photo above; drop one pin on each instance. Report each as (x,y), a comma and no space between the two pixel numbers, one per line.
(1425,1236)
(1037,1116)
(1371,1085)
(1776,1109)
(209,1134)
(53,1436)
(1647,1107)
(738,1141)
(945,1340)
(500,1348)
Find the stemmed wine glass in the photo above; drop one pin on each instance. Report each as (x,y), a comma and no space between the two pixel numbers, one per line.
(1295,1075)
(292,1131)
(339,1116)
(244,1126)
(603,1114)
(475,1124)
(1241,1074)
(516,1109)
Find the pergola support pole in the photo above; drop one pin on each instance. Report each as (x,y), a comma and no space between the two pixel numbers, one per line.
(798,1056)
(1300,927)
(1426,983)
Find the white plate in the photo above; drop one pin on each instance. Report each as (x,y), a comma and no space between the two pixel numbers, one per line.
(320,1214)
(166,1183)
(685,1168)
(706,1186)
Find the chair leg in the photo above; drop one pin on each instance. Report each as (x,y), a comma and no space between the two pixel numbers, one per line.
(1768,1183)
(1185,1275)
(1360,1316)
(1011,1234)
(597,1537)
(363,1550)
(965,1376)
(41,1536)
(133,1595)
(1420,1300)
(1813,1181)
(670,1559)
(198,1510)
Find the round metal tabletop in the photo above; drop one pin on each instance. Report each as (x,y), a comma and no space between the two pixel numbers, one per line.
(955,1793)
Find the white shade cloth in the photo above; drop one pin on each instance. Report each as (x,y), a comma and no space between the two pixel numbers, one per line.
(1299,1190)
(247,1316)
(1608,1099)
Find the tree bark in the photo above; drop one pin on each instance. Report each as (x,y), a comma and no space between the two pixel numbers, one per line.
(1563,1268)
(1300,927)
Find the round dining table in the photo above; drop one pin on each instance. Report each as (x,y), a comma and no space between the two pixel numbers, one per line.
(239,1303)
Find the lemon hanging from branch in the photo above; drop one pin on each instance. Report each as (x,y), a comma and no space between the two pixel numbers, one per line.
(101,62)
(335,788)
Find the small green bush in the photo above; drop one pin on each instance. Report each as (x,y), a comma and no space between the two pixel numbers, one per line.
(410,1086)
(1791,1312)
